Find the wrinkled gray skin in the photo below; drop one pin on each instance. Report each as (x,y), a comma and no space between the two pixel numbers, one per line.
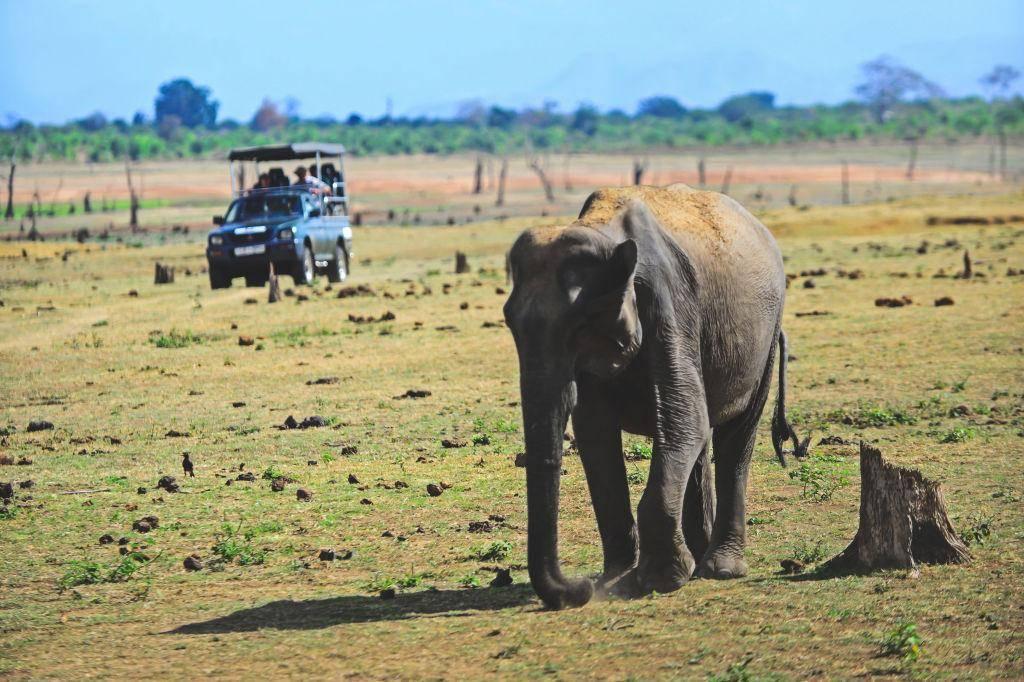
(657,313)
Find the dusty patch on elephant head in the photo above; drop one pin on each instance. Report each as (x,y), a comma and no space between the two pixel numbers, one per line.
(676,207)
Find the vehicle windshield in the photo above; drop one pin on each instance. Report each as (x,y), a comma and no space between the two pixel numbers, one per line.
(260,207)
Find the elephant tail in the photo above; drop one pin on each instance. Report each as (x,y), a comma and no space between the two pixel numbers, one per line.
(782,430)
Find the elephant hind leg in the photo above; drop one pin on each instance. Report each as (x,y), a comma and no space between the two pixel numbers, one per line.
(733,445)
(699,506)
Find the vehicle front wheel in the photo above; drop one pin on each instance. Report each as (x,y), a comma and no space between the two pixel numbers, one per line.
(303,273)
(337,269)
(219,279)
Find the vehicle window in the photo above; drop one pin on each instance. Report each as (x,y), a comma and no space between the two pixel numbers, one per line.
(250,208)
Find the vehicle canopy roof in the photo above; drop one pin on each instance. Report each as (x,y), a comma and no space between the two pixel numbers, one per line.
(286,152)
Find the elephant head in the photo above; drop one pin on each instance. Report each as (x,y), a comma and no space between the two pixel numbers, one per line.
(572,309)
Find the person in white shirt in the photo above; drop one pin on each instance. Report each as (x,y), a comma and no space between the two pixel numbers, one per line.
(316,185)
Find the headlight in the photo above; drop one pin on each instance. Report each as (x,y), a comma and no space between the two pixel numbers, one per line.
(216,240)
(286,233)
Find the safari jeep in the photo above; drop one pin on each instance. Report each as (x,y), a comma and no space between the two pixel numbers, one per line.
(301,229)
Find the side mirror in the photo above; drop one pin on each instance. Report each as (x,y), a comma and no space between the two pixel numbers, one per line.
(218,220)
(314,213)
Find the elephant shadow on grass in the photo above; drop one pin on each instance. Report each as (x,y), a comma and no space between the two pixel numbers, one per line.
(315,614)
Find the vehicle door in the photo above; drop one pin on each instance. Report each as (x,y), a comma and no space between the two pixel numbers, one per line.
(314,226)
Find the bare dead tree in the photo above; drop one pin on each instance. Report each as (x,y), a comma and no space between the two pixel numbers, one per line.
(536,166)
(845,180)
(1001,134)
(478,176)
(53,202)
(502,178)
(912,162)
(274,293)
(792,195)
(9,213)
(163,274)
(133,221)
(727,180)
(639,168)
(566,176)
(701,172)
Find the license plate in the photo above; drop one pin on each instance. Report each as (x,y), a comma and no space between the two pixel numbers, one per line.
(250,250)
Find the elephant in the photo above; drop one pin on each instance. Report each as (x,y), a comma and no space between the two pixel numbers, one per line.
(657,312)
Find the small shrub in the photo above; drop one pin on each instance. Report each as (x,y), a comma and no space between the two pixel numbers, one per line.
(81,573)
(958,435)
(808,553)
(819,482)
(639,450)
(506,426)
(958,386)
(635,477)
(408,581)
(496,551)
(94,573)
(230,549)
(175,339)
(902,641)
(380,583)
(469,580)
(263,528)
(272,473)
(979,531)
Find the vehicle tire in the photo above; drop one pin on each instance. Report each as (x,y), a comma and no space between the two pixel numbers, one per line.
(255,280)
(337,269)
(305,268)
(219,279)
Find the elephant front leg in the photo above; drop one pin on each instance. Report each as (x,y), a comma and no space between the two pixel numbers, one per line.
(666,562)
(599,439)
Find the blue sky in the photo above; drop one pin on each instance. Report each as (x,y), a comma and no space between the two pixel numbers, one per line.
(66,58)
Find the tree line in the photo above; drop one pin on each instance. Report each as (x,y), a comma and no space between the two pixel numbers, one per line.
(892,103)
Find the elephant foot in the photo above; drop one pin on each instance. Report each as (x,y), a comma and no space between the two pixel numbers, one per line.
(722,565)
(612,576)
(664,573)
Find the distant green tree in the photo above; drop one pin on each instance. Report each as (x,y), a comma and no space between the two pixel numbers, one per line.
(93,122)
(584,119)
(746,107)
(497,117)
(661,106)
(192,105)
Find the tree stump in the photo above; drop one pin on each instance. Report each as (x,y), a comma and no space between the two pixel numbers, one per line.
(461,264)
(274,285)
(164,274)
(903,521)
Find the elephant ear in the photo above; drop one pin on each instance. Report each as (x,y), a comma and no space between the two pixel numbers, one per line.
(608,336)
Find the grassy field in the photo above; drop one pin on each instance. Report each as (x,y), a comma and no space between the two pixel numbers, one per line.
(130,382)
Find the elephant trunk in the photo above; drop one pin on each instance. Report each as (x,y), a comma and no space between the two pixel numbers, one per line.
(547,404)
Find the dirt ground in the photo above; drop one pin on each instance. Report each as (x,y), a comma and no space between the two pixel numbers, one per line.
(130,381)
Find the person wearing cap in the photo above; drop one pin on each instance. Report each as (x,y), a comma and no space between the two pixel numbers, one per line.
(315,185)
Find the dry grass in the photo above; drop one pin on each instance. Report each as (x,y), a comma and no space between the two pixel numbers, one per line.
(91,367)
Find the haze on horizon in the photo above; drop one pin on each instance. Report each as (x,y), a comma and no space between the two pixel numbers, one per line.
(69,58)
